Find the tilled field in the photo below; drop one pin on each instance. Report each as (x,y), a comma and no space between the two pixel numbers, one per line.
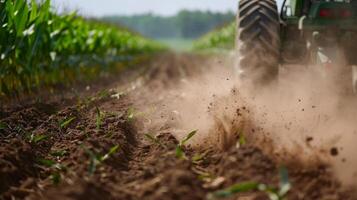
(97,145)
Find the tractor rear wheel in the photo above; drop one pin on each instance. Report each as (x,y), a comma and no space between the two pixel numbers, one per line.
(258,41)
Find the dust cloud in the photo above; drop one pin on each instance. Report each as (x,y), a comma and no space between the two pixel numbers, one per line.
(302,117)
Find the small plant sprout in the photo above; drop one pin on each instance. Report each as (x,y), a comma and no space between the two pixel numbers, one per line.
(37,138)
(96,160)
(55,168)
(154,140)
(241,141)
(236,188)
(50,164)
(188,137)
(273,193)
(179,148)
(99,118)
(130,114)
(66,122)
(112,151)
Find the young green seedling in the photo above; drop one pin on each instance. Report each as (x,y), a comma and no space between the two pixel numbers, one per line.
(55,167)
(99,118)
(96,160)
(130,114)
(37,138)
(273,193)
(112,151)
(236,188)
(50,164)
(179,148)
(242,141)
(66,122)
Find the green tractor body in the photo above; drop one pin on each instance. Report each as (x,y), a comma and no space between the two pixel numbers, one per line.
(320,14)
(309,32)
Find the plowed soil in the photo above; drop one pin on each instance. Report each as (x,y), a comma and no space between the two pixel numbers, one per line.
(91,144)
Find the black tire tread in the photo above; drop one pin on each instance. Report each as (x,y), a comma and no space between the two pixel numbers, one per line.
(258,39)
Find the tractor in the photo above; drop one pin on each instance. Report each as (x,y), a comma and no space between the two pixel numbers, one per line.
(319,33)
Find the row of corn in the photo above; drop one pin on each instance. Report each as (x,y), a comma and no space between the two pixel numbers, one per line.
(39,48)
(217,40)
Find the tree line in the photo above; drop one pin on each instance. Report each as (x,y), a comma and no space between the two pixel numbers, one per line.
(186,24)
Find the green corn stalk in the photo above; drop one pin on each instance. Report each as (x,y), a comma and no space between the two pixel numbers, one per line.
(40,48)
(217,40)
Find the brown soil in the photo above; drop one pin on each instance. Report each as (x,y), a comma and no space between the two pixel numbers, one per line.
(55,149)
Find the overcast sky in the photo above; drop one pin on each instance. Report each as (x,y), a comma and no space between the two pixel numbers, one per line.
(129,7)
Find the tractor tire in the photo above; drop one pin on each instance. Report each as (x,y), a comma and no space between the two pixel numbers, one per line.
(258,41)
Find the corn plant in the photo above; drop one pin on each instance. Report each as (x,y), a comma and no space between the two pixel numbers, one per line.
(40,48)
(221,39)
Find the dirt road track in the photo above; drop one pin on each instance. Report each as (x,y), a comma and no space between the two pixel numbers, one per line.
(54,149)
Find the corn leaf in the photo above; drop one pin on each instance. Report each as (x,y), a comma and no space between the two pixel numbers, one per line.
(188,137)
(37,138)
(112,151)
(66,122)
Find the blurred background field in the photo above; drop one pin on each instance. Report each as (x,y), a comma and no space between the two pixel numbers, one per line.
(178,31)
